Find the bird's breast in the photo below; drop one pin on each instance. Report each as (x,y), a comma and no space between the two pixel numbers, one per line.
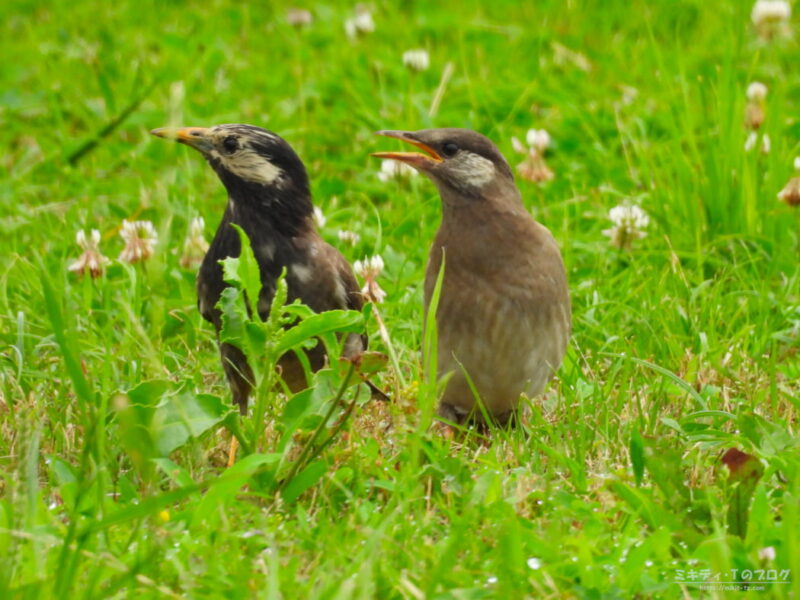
(505,320)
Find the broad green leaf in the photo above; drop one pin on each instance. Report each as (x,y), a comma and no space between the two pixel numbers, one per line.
(708,413)
(367,363)
(656,545)
(672,424)
(175,472)
(148,394)
(238,329)
(344,321)
(296,407)
(234,317)
(304,480)
(185,415)
(155,420)
(769,438)
(243,271)
(127,490)
(759,519)
(305,409)
(135,410)
(641,501)
(299,311)
(228,485)
(665,463)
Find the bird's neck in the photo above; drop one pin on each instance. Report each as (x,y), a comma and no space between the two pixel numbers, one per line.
(460,208)
(285,209)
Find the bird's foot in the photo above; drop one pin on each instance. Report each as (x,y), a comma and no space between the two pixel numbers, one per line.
(446,430)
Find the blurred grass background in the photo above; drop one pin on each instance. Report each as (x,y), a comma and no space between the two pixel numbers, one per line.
(683,347)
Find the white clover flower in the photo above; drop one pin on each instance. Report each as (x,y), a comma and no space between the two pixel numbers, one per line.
(756,92)
(534,563)
(369,269)
(770,11)
(533,168)
(319,217)
(360,23)
(538,139)
(140,240)
(299,17)
(752,141)
(391,169)
(195,245)
(416,60)
(197,226)
(629,216)
(767,553)
(629,222)
(348,237)
(754,111)
(91,259)
(790,194)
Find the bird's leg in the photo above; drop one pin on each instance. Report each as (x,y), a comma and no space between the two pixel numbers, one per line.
(239,377)
(242,403)
(508,420)
(232,451)
(450,418)
(446,430)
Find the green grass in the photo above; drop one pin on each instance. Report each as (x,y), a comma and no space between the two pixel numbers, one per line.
(683,348)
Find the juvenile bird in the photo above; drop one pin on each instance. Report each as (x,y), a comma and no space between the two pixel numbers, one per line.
(269,198)
(504,316)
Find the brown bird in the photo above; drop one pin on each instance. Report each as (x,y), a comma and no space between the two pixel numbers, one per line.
(504,316)
(268,197)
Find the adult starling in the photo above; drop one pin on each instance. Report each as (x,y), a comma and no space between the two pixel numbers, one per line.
(269,198)
(504,316)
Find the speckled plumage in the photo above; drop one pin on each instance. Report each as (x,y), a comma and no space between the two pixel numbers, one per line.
(269,197)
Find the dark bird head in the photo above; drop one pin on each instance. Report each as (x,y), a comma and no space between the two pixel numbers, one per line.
(259,168)
(459,161)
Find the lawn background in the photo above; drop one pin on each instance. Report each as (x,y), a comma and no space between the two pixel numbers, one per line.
(684,347)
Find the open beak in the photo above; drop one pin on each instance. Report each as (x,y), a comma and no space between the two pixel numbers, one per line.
(415,159)
(197,137)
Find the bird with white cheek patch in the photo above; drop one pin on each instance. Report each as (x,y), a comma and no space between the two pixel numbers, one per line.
(270,199)
(504,316)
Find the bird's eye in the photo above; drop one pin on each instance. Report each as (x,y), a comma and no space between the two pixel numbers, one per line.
(449,149)
(230,144)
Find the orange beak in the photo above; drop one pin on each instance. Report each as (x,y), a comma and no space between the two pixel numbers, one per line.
(196,137)
(415,159)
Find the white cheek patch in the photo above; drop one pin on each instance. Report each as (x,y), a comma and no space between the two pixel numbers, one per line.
(474,170)
(251,166)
